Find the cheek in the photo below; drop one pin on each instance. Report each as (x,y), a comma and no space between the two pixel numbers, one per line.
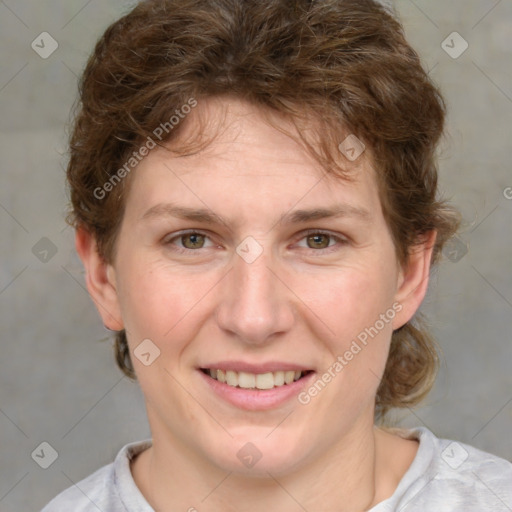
(355,355)
(357,306)
(348,300)
(161,304)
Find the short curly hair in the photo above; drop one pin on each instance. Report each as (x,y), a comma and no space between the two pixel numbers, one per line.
(344,63)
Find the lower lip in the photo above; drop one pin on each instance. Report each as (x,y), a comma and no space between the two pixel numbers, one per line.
(257,399)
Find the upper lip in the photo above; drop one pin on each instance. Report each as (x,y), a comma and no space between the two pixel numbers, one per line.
(243,366)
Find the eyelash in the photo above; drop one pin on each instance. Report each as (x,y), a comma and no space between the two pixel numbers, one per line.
(341,241)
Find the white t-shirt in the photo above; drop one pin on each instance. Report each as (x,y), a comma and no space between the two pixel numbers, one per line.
(445,476)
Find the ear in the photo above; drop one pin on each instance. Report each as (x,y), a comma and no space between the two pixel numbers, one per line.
(413,280)
(100,280)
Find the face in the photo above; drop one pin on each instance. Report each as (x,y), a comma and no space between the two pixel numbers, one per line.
(246,260)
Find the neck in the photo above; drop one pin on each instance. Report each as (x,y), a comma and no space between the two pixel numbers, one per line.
(353,475)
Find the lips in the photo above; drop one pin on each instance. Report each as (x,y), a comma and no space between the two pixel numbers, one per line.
(255,387)
(250,376)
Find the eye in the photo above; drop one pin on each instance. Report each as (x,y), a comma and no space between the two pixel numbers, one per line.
(321,240)
(188,241)
(318,241)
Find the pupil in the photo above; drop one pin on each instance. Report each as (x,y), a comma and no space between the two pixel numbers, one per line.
(195,240)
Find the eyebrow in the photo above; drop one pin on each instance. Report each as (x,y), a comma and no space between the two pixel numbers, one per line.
(207,216)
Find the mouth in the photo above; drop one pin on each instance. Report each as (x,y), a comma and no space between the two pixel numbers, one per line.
(255,381)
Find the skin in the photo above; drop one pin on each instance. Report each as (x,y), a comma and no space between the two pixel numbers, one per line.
(296,303)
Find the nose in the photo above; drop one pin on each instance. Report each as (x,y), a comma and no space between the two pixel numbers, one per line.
(255,305)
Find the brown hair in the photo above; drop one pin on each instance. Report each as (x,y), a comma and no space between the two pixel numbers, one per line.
(343,63)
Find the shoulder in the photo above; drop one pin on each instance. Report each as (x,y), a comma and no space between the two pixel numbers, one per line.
(95,491)
(109,489)
(448,475)
(479,479)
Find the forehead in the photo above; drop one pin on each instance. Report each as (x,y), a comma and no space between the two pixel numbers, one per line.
(248,161)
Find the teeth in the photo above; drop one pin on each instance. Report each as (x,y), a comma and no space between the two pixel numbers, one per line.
(232,378)
(247,380)
(289,376)
(278,378)
(265,381)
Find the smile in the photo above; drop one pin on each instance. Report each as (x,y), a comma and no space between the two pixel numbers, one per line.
(262,381)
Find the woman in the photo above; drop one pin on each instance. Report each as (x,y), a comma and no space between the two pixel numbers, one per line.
(254,192)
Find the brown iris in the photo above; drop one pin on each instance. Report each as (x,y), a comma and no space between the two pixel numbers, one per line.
(319,240)
(196,240)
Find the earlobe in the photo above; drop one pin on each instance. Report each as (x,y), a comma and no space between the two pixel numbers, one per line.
(99,279)
(413,280)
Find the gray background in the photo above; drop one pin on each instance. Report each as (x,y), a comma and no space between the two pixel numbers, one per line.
(58,380)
